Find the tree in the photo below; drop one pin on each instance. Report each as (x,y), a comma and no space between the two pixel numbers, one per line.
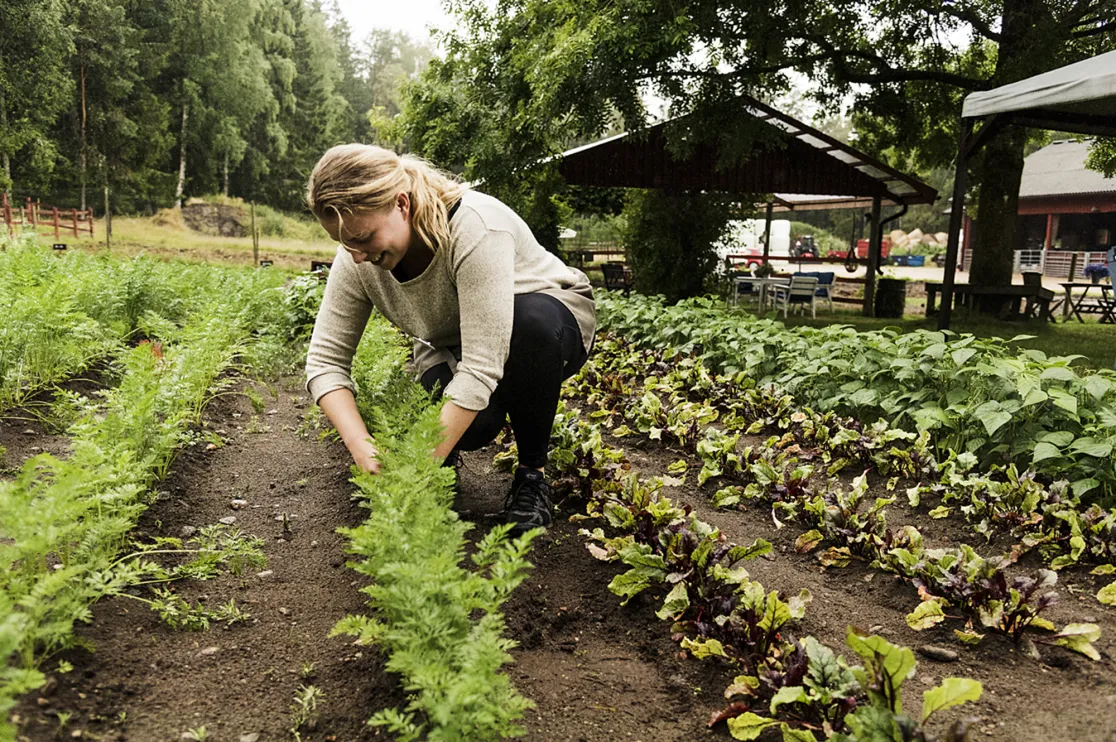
(523,77)
(35,85)
(394,60)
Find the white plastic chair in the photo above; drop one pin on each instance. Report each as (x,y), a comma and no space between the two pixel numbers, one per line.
(801,290)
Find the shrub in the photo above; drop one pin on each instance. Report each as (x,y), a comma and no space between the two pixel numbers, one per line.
(670,237)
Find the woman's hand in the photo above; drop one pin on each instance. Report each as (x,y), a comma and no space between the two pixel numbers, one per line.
(364,456)
(341,409)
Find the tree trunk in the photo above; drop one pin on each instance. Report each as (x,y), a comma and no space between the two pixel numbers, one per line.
(178,191)
(226,188)
(83,143)
(1029,45)
(998,209)
(5,160)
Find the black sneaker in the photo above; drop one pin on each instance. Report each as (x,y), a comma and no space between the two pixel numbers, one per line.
(527,505)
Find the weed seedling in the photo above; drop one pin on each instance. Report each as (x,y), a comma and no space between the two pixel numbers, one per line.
(304,709)
(255,398)
(198,734)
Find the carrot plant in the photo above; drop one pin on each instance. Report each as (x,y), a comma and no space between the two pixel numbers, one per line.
(65,521)
(438,621)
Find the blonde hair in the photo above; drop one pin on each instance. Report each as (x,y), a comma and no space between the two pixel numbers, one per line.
(351,177)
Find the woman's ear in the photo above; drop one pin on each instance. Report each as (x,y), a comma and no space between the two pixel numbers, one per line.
(403,201)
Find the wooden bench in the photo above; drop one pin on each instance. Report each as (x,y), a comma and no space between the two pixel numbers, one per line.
(617,277)
(967,295)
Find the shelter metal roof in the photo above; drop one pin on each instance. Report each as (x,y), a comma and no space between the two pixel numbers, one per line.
(1059,170)
(810,170)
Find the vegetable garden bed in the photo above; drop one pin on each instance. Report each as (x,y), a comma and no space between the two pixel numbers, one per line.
(702,516)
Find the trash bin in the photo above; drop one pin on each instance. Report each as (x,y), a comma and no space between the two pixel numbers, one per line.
(891,297)
(900,259)
(916,261)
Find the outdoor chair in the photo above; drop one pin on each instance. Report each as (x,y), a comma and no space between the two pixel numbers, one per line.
(826,280)
(801,290)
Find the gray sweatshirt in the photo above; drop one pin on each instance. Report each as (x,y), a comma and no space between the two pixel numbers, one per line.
(461,305)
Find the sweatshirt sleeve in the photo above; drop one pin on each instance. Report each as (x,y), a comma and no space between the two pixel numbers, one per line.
(485,275)
(337,330)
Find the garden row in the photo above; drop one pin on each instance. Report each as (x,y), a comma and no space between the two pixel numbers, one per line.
(971,395)
(63,313)
(437,618)
(793,473)
(717,612)
(65,522)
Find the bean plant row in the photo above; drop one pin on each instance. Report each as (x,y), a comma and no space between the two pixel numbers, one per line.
(971,395)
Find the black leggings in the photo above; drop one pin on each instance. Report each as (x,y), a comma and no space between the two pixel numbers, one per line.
(546,349)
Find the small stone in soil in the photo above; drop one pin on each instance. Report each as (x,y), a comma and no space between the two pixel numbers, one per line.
(228,520)
(208,651)
(285,611)
(188,531)
(265,573)
(29,431)
(939,654)
(313,544)
(253,737)
(238,504)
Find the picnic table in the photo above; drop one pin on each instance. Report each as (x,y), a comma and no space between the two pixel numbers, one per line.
(587,255)
(965,295)
(1103,305)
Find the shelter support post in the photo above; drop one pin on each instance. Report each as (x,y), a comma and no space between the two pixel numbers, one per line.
(875,247)
(767,232)
(957,210)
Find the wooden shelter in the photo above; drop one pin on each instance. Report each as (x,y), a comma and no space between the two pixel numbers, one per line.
(801,167)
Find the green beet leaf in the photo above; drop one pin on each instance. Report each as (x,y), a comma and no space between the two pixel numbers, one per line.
(928,614)
(749,726)
(952,692)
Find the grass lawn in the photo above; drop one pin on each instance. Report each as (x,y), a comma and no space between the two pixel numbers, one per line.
(131,236)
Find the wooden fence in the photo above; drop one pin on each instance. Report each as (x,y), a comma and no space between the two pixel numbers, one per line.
(36,216)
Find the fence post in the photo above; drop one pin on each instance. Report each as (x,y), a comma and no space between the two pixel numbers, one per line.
(255,238)
(8,215)
(1073,267)
(30,211)
(54,213)
(73,215)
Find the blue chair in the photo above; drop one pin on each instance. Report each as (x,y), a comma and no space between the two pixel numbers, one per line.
(826,280)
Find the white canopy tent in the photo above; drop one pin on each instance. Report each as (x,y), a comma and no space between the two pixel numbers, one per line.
(1079,97)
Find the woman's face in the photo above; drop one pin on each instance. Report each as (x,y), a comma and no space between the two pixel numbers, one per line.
(378,237)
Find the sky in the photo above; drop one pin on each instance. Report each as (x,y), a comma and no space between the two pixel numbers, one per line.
(409,16)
